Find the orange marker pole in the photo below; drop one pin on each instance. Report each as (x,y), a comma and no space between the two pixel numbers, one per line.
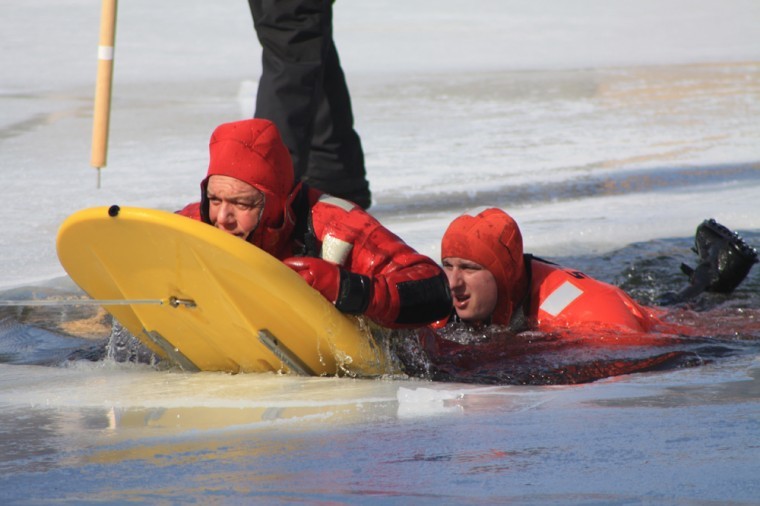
(102,112)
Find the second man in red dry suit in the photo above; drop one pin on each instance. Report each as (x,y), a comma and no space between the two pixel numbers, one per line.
(493,281)
(499,293)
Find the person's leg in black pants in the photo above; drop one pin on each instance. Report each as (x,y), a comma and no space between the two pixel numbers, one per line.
(303,91)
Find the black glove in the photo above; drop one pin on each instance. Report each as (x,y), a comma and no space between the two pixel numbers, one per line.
(724,259)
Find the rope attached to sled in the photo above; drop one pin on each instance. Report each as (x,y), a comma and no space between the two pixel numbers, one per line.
(171,301)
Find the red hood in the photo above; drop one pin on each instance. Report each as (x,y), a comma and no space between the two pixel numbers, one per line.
(253,152)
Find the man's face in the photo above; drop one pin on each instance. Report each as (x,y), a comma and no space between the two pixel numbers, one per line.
(473,289)
(234,206)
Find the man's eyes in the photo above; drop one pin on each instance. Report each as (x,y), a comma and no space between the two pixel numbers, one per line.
(469,268)
(243,206)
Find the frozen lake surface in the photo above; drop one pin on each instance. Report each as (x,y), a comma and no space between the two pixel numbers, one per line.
(601,126)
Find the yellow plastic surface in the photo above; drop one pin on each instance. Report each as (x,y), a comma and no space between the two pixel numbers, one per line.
(238,290)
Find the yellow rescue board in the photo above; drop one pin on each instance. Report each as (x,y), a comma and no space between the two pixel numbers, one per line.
(226,305)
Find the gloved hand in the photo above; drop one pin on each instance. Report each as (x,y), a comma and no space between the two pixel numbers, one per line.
(321,275)
(351,293)
(725,259)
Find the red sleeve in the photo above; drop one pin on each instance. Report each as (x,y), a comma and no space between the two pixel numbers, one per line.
(191,211)
(408,289)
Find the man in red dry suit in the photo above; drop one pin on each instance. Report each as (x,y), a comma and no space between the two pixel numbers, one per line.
(493,282)
(499,292)
(337,247)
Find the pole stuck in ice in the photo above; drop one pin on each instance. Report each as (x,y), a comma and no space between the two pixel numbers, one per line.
(102,112)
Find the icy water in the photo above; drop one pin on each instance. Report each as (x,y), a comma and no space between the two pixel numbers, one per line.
(610,130)
(77,426)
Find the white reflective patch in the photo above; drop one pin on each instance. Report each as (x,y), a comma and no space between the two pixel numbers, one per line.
(337,201)
(335,250)
(560,298)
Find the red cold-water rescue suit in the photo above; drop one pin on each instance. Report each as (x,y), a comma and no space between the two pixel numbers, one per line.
(587,329)
(376,273)
(571,311)
(533,293)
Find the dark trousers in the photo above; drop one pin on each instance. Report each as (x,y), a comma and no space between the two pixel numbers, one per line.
(303,91)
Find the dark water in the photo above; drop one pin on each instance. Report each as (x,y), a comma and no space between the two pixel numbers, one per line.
(508,195)
(723,325)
